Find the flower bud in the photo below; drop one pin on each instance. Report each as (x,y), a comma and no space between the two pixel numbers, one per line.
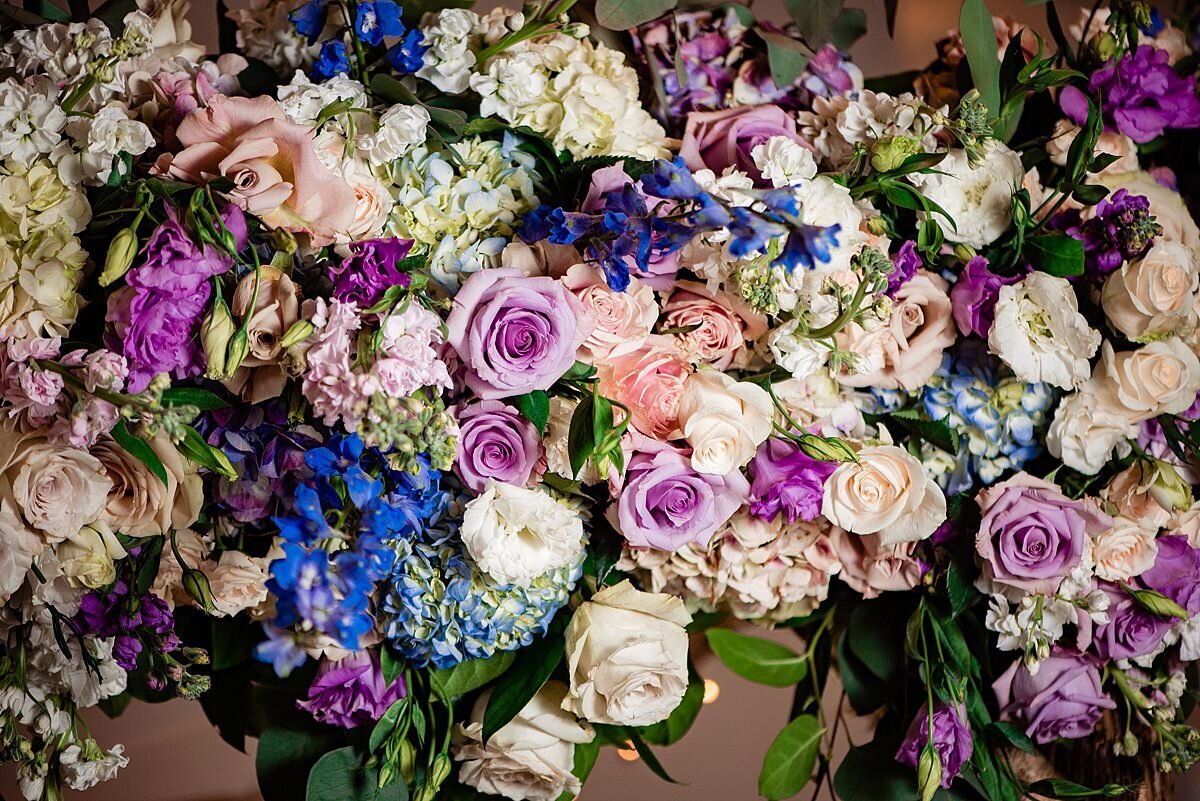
(827,449)
(964,253)
(1158,604)
(239,348)
(215,335)
(297,333)
(1104,45)
(1165,485)
(929,773)
(195,584)
(120,256)
(877,225)
(890,153)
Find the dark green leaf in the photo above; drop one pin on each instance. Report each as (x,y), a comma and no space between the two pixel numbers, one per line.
(139,449)
(340,776)
(789,762)
(620,15)
(979,41)
(581,439)
(815,19)
(518,685)
(865,691)
(113,14)
(196,449)
(875,636)
(850,26)
(202,399)
(1091,194)
(1013,736)
(148,562)
(760,661)
(284,759)
(469,676)
(233,641)
(391,664)
(387,724)
(959,589)
(114,705)
(1061,788)
(787,57)
(889,7)
(871,773)
(534,407)
(648,755)
(1056,254)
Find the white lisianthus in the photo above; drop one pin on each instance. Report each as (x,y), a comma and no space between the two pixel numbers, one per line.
(886,492)
(977,199)
(1126,550)
(1040,333)
(627,657)
(401,128)
(783,161)
(723,420)
(515,534)
(1085,432)
(449,59)
(824,202)
(530,758)
(87,557)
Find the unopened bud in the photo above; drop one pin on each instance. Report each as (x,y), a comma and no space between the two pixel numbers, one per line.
(216,335)
(284,241)
(877,225)
(929,772)
(239,349)
(439,771)
(1157,604)
(890,153)
(1165,485)
(827,449)
(964,253)
(121,253)
(195,584)
(1104,45)
(408,760)
(297,333)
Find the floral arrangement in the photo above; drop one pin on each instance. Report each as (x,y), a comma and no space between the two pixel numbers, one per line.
(416,388)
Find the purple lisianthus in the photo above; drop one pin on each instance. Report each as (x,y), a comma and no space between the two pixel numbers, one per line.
(973,298)
(1142,96)
(1131,631)
(785,479)
(371,270)
(495,441)
(514,333)
(1063,699)
(666,504)
(1031,535)
(905,263)
(951,739)
(1176,572)
(351,692)
(154,320)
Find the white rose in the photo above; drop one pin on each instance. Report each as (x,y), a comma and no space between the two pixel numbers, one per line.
(885,492)
(1040,333)
(515,534)
(57,490)
(238,582)
(1154,296)
(627,657)
(531,757)
(979,199)
(1085,432)
(1110,142)
(372,203)
(723,420)
(1160,378)
(87,557)
(21,545)
(1124,551)
(1166,205)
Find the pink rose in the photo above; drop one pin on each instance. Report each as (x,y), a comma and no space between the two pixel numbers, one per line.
(649,380)
(719,139)
(620,319)
(870,567)
(274,168)
(904,353)
(720,323)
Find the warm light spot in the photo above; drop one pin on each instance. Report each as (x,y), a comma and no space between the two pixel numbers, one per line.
(712,691)
(629,753)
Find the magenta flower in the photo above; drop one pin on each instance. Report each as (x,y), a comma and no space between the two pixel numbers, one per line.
(351,692)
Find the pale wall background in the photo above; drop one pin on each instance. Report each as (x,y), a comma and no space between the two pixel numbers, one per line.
(176,756)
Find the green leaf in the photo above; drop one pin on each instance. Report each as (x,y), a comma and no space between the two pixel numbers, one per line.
(979,41)
(1056,254)
(152,548)
(202,399)
(620,15)
(787,57)
(1013,736)
(284,758)
(339,776)
(1091,194)
(1061,788)
(875,636)
(935,432)
(391,665)
(959,589)
(673,729)
(387,724)
(890,7)
(760,661)
(815,19)
(866,691)
(534,407)
(871,773)
(196,449)
(469,676)
(581,438)
(530,670)
(789,762)
(233,641)
(850,26)
(139,449)
(648,755)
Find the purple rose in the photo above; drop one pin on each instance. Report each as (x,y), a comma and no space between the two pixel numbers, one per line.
(1031,535)
(514,333)
(787,480)
(1176,572)
(351,692)
(1064,698)
(666,504)
(719,139)
(973,298)
(951,739)
(905,263)
(1141,94)
(1131,631)
(495,441)
(370,270)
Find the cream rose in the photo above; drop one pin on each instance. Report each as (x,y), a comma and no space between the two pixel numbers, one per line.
(1124,551)
(516,534)
(1085,432)
(372,203)
(168,584)
(260,376)
(1187,524)
(139,503)
(886,492)
(531,757)
(1154,296)
(238,582)
(620,319)
(723,420)
(627,657)
(87,557)
(57,490)
(1160,378)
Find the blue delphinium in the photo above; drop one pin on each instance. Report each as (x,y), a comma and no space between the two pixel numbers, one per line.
(408,55)
(376,19)
(332,60)
(310,18)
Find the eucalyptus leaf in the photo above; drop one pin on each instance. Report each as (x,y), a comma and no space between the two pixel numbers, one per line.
(787,57)
(340,776)
(620,15)
(979,41)
(815,19)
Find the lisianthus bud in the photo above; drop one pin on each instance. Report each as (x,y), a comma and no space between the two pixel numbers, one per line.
(297,333)
(195,584)
(1158,604)
(215,335)
(890,153)
(929,773)
(964,253)
(239,347)
(1104,45)
(827,449)
(120,256)
(1165,485)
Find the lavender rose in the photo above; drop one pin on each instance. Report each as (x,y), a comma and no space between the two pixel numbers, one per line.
(1131,631)
(787,480)
(719,139)
(951,739)
(351,692)
(1064,698)
(514,333)
(1031,535)
(1176,572)
(666,504)
(496,442)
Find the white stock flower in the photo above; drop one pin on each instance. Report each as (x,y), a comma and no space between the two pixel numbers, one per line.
(265,32)
(31,121)
(515,534)
(627,657)
(449,59)
(401,128)
(886,492)
(302,100)
(1040,333)
(977,199)
(106,135)
(783,161)
(82,770)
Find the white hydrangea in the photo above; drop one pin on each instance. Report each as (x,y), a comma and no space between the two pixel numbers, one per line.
(31,121)
(836,124)
(449,60)
(400,129)
(977,199)
(265,32)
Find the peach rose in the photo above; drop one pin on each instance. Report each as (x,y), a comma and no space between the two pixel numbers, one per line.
(1132,498)
(719,324)
(138,503)
(1125,550)
(905,352)
(871,568)
(238,582)
(723,420)
(53,490)
(620,319)
(274,167)
(649,380)
(1160,378)
(1187,524)
(260,376)
(540,258)
(1154,296)
(886,492)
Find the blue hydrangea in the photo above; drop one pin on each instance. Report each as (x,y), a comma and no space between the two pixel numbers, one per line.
(1000,419)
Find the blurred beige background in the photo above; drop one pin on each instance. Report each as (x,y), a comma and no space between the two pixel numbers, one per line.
(176,756)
